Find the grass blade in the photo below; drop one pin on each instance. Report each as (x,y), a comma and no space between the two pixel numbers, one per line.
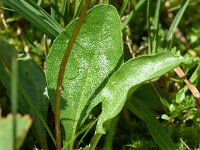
(157,131)
(148,27)
(177,20)
(64,11)
(14,97)
(36,15)
(156,26)
(53,9)
(78,10)
(132,13)
(124,5)
(39,2)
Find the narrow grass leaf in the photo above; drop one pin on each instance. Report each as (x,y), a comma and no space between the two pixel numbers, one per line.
(53,9)
(150,96)
(177,20)
(77,12)
(158,132)
(64,12)
(124,5)
(14,96)
(156,26)
(157,14)
(35,15)
(132,13)
(145,100)
(148,27)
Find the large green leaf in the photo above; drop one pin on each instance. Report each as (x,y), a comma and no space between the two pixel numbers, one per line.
(125,81)
(96,54)
(31,87)
(6,131)
(36,15)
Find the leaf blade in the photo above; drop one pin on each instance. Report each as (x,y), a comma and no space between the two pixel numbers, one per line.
(126,80)
(94,57)
(157,131)
(31,87)
(23,124)
(177,20)
(36,15)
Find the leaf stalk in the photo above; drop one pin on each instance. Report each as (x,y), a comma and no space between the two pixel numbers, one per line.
(62,71)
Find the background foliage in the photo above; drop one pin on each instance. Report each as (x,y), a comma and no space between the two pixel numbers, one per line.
(168,97)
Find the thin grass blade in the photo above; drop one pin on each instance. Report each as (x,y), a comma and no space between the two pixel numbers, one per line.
(53,9)
(78,11)
(158,132)
(35,15)
(124,5)
(177,20)
(156,26)
(148,27)
(64,11)
(132,13)
(14,96)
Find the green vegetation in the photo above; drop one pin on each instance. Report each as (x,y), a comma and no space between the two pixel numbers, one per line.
(108,79)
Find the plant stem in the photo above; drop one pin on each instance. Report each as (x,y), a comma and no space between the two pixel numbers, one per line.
(95,140)
(14,97)
(68,5)
(192,88)
(148,28)
(156,25)
(62,71)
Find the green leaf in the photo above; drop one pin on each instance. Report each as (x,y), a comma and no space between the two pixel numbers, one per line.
(158,132)
(145,100)
(177,20)
(180,96)
(123,7)
(132,13)
(125,81)
(6,127)
(156,25)
(165,117)
(78,7)
(96,54)
(147,94)
(31,88)
(35,15)
(64,12)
